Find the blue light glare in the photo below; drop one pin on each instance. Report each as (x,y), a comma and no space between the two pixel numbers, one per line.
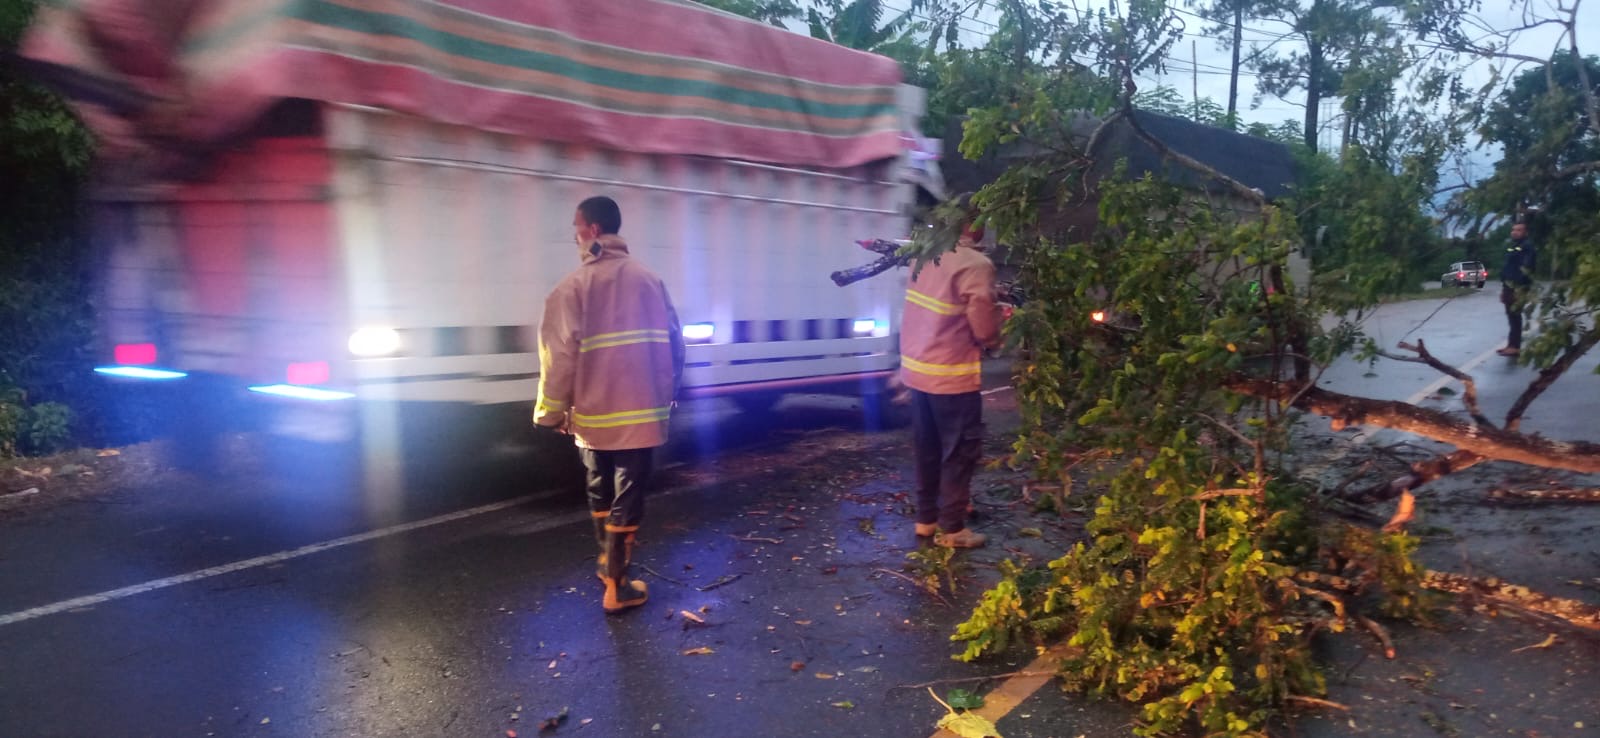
(866,325)
(139,372)
(301,393)
(699,331)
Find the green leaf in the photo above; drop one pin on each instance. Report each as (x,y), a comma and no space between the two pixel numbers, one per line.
(964,700)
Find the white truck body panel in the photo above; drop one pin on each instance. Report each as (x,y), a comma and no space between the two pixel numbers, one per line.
(454,236)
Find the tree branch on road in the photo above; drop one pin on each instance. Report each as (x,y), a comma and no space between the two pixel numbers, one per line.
(1572,612)
(1490,443)
(1469,395)
(1549,375)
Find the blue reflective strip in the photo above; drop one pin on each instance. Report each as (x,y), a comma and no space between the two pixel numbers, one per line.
(301,393)
(139,372)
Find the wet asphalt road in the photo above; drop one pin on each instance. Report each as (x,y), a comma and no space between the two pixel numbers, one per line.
(1464,331)
(490,622)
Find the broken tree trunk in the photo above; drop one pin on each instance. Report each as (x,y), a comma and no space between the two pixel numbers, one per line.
(1580,614)
(1421,473)
(1490,443)
(1546,495)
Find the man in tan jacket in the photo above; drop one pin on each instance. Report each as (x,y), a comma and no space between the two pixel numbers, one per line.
(950,318)
(610,362)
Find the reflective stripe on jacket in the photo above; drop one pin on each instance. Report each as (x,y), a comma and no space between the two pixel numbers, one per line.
(950,317)
(610,353)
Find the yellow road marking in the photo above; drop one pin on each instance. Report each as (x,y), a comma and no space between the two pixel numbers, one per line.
(1012,692)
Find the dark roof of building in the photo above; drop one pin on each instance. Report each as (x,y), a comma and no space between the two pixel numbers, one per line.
(1254,162)
(1265,165)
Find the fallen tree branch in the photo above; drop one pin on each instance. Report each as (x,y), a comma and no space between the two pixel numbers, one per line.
(919,585)
(1549,375)
(1490,443)
(1421,473)
(661,576)
(1332,581)
(1378,632)
(971,680)
(721,582)
(1214,494)
(754,539)
(1333,601)
(1316,702)
(1579,614)
(1403,514)
(1470,394)
(1238,188)
(1546,495)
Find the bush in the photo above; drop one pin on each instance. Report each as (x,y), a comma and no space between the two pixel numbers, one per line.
(32,429)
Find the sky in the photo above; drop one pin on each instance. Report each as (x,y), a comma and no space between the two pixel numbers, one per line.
(1200,63)
(1202,60)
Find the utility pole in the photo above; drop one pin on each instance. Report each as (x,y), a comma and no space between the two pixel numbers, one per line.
(1194,77)
(1233,78)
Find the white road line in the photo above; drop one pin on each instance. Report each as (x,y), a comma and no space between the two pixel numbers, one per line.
(1444,380)
(997,389)
(194,576)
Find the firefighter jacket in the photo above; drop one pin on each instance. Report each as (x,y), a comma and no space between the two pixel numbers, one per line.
(610,353)
(950,317)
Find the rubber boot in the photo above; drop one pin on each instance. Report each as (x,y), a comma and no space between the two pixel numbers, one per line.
(599,520)
(621,592)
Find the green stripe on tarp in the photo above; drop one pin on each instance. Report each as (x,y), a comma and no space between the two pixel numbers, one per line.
(678,107)
(240,28)
(615,57)
(388,24)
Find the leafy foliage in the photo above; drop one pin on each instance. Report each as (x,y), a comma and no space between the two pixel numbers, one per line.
(774,12)
(1190,595)
(1187,597)
(45,320)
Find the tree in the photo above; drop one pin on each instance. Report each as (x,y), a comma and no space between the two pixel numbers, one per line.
(44,316)
(1335,35)
(1548,117)
(1206,572)
(1168,101)
(1549,144)
(1229,16)
(775,12)
(861,24)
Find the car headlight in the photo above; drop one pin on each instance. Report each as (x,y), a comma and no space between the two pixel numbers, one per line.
(699,332)
(374,341)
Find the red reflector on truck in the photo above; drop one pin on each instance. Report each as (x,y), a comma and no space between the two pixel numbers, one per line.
(308,372)
(134,354)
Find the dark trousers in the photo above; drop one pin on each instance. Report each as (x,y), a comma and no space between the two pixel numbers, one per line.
(617,481)
(1509,297)
(947,433)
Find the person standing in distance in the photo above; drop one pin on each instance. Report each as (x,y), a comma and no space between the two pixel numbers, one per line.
(610,364)
(950,317)
(1515,279)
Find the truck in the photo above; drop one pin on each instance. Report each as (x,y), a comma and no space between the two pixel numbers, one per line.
(323,213)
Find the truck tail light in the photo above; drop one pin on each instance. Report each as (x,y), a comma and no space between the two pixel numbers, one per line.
(308,372)
(136,361)
(134,354)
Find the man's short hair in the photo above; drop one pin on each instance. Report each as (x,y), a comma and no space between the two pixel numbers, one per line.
(602,211)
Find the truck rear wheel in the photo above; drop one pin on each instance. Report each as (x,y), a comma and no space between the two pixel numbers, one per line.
(757,403)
